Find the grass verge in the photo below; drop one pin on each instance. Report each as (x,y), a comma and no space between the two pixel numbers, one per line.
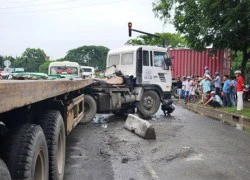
(245,112)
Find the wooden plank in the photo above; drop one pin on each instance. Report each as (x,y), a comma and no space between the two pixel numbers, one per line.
(18,93)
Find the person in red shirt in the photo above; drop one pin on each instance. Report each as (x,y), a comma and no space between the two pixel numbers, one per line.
(240,86)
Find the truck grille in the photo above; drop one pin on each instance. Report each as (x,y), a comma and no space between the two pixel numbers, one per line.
(162,77)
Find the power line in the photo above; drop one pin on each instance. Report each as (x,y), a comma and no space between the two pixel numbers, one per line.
(66,8)
(35,5)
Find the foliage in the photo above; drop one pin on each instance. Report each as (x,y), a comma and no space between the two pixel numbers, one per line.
(30,60)
(236,62)
(220,23)
(94,56)
(3,58)
(173,40)
(43,68)
(1,62)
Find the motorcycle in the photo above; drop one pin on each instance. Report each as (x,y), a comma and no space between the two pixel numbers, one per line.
(246,92)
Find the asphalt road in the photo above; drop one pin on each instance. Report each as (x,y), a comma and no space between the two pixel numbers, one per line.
(188,146)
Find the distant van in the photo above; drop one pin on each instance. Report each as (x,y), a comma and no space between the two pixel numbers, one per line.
(88,71)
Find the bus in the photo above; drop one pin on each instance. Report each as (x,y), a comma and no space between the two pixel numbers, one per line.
(64,69)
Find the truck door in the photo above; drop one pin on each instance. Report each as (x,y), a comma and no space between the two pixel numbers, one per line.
(161,70)
(147,75)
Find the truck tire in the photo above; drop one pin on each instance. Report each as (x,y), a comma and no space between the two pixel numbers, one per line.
(26,153)
(174,92)
(90,109)
(4,172)
(54,130)
(149,104)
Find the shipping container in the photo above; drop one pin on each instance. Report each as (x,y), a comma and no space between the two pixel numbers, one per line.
(187,62)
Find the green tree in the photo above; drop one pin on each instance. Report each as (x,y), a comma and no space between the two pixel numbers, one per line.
(3,58)
(44,67)
(94,56)
(236,62)
(174,40)
(1,62)
(220,23)
(31,59)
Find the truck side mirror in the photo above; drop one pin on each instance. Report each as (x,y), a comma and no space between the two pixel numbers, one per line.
(167,63)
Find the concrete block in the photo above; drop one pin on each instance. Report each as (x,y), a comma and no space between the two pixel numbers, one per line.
(140,127)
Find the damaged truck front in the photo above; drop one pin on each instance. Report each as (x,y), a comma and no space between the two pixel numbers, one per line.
(138,77)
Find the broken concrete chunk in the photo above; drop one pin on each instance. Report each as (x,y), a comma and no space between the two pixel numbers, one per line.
(140,127)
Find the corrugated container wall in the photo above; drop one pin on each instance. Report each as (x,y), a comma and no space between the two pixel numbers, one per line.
(188,62)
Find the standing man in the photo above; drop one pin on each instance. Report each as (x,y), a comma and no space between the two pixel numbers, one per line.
(240,86)
(193,87)
(217,83)
(232,88)
(187,89)
(179,87)
(226,91)
(206,88)
(206,71)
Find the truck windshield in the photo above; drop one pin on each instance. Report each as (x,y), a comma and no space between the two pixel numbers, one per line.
(63,70)
(86,69)
(113,60)
(127,59)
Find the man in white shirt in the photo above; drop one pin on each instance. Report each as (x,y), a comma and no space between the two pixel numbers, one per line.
(187,88)
(214,100)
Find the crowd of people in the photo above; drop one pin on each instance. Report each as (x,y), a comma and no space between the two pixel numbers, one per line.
(217,91)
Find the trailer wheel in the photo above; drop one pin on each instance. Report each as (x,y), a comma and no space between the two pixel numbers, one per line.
(4,172)
(149,104)
(90,109)
(26,153)
(174,92)
(54,130)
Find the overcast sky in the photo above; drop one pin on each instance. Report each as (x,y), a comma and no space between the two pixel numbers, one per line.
(57,26)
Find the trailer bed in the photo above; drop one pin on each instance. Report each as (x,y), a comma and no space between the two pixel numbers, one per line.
(18,93)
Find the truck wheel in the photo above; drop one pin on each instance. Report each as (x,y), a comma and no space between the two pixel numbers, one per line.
(149,104)
(4,172)
(54,130)
(174,92)
(27,153)
(90,109)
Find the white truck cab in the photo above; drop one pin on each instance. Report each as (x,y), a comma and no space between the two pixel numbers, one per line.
(148,64)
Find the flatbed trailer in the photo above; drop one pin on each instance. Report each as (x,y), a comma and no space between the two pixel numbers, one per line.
(35,118)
